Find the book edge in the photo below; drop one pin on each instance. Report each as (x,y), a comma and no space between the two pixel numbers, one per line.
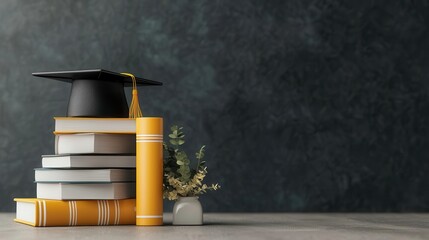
(24,222)
(30,200)
(93,119)
(93,132)
(86,155)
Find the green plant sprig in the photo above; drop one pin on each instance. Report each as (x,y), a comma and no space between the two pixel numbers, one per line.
(180,180)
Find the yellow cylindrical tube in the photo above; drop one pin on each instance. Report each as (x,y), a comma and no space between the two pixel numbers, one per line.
(149,171)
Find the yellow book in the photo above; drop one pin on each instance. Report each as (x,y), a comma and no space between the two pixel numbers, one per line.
(149,171)
(49,213)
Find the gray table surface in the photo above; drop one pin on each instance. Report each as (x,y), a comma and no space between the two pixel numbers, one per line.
(242,226)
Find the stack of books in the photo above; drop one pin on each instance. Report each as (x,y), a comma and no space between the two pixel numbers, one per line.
(91,178)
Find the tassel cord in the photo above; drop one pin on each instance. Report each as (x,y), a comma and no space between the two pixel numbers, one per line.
(134,111)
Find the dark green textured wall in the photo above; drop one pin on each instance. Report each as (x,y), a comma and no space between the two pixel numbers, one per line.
(303,105)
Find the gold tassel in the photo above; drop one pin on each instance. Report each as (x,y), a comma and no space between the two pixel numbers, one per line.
(135,111)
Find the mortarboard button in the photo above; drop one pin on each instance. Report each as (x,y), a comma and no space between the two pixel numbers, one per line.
(96,93)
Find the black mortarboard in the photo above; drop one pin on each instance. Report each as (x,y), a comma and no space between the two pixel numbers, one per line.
(98,92)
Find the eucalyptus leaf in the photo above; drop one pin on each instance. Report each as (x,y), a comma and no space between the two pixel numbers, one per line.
(181,156)
(174,142)
(172,135)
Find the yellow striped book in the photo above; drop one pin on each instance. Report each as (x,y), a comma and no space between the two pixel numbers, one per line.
(49,213)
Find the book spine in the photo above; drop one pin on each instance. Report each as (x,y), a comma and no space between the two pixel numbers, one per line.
(149,171)
(84,213)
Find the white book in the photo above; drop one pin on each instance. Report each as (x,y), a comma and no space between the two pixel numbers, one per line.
(101,125)
(95,143)
(69,191)
(84,175)
(88,161)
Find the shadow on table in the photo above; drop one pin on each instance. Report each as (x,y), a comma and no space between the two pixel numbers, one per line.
(252,224)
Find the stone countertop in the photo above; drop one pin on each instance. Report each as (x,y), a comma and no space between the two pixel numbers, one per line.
(243,226)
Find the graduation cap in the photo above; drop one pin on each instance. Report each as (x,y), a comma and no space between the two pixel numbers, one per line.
(100,93)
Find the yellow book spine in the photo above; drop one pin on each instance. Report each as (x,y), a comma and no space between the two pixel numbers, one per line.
(149,171)
(51,213)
